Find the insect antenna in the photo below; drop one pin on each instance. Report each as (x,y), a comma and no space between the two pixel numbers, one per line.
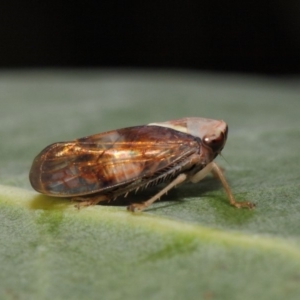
(224,158)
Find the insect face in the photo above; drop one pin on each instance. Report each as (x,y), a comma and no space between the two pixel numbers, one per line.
(216,140)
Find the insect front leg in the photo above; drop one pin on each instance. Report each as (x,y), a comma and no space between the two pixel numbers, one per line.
(217,172)
(141,206)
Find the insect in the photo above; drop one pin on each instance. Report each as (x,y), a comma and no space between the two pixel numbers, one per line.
(104,166)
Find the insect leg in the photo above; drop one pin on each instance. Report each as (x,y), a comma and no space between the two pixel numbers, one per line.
(217,172)
(141,206)
(88,201)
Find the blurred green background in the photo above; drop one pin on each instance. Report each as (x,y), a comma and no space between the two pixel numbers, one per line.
(191,245)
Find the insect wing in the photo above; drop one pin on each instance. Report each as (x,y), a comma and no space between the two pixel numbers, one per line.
(106,161)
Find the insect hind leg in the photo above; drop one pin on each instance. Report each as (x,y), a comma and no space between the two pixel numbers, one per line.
(88,201)
(141,206)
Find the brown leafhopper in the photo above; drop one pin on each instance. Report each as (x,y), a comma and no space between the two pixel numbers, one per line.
(104,166)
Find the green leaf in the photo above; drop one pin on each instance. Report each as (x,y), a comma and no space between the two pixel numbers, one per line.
(190,245)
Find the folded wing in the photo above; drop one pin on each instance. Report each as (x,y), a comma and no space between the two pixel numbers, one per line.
(106,161)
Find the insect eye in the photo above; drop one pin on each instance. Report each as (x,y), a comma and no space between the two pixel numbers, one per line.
(215,142)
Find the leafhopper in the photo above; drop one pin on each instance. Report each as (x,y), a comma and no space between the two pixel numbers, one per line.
(107,165)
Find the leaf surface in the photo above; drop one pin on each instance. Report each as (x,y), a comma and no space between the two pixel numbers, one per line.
(190,245)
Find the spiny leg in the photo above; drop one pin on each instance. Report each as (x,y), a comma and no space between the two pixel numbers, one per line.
(217,172)
(141,206)
(88,201)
